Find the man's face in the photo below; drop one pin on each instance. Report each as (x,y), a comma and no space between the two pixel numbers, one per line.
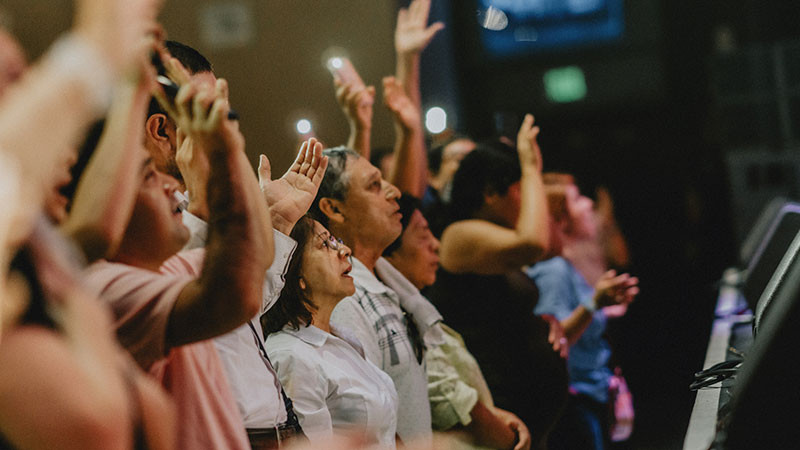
(370,208)
(156,222)
(418,256)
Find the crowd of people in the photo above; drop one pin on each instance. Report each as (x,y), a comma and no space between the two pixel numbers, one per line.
(158,292)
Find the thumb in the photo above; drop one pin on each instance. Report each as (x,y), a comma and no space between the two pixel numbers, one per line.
(264,169)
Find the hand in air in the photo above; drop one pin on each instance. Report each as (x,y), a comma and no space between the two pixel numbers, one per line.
(290,196)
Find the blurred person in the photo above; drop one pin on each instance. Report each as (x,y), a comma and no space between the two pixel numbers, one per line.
(266,411)
(443,162)
(460,400)
(500,224)
(360,207)
(166,319)
(99,399)
(334,388)
(583,311)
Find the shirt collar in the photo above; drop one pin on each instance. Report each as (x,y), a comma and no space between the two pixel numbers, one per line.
(309,334)
(365,279)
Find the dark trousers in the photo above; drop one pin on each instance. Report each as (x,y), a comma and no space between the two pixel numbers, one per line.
(584,426)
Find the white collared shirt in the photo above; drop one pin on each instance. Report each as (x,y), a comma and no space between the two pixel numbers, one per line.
(253,383)
(332,386)
(374,315)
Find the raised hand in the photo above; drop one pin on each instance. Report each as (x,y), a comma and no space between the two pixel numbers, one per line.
(612,289)
(530,155)
(556,337)
(290,196)
(405,112)
(356,103)
(413,34)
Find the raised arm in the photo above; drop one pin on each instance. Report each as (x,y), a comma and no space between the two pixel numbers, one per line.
(107,189)
(240,246)
(411,37)
(55,101)
(356,102)
(410,170)
(482,247)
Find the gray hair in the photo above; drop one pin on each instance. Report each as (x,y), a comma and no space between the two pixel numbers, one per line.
(336,182)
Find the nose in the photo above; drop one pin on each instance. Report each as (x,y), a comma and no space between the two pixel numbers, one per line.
(392,193)
(435,245)
(344,251)
(170,184)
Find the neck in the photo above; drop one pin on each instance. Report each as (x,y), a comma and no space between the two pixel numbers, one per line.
(366,252)
(321,318)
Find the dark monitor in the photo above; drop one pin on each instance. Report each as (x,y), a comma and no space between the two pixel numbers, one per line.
(770,252)
(765,400)
(766,219)
(512,27)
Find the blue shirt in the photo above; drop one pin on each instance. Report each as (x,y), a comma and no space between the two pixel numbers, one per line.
(561,290)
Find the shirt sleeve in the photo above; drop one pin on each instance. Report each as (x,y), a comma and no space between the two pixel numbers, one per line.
(556,296)
(450,397)
(348,314)
(275,279)
(304,383)
(141,302)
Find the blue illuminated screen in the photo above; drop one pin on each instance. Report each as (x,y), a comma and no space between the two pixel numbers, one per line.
(513,27)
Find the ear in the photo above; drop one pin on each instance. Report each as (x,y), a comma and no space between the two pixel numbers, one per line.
(490,198)
(332,210)
(160,131)
(302,283)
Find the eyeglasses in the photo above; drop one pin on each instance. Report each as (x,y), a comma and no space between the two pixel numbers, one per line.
(331,242)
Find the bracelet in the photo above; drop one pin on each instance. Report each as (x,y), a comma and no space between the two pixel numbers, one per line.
(590,306)
(76,57)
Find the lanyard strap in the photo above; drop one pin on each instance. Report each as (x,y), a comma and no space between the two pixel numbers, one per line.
(291,417)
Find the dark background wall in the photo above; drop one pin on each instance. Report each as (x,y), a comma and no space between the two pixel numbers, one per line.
(654,134)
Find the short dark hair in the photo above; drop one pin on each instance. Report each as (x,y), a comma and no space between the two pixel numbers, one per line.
(485,170)
(193,60)
(334,184)
(292,307)
(408,204)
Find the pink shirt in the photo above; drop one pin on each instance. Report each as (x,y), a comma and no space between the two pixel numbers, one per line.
(141,301)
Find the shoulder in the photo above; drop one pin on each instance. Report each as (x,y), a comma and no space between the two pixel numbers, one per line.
(556,266)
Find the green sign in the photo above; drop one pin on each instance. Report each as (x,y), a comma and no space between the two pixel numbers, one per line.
(565,84)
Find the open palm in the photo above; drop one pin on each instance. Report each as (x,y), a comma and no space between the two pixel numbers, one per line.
(290,196)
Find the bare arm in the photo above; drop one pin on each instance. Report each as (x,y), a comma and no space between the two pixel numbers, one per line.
(610,290)
(409,172)
(240,246)
(482,247)
(488,428)
(356,103)
(411,37)
(52,105)
(107,190)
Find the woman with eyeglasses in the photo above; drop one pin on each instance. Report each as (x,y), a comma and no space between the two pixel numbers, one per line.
(334,389)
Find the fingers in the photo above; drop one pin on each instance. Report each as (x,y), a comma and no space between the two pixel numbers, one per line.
(264,169)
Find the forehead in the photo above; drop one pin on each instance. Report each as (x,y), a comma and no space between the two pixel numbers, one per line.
(360,170)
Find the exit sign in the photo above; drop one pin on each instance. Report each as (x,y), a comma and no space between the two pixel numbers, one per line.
(565,84)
